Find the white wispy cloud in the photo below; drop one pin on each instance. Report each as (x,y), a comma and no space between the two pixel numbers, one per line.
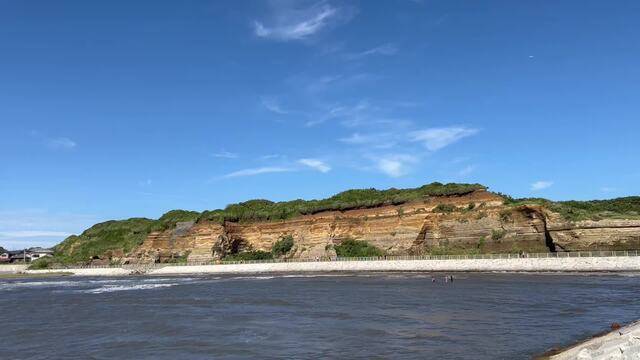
(315,164)
(357,114)
(258,171)
(273,106)
(350,115)
(385,50)
(292,23)
(608,189)
(62,143)
(32,233)
(395,165)
(541,185)
(38,227)
(437,138)
(271,156)
(374,140)
(359,139)
(225,155)
(467,170)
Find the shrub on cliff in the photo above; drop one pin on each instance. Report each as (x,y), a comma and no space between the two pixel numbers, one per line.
(357,248)
(444,208)
(282,246)
(506,215)
(250,255)
(497,235)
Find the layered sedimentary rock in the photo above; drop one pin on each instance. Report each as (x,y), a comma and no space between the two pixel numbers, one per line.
(163,245)
(476,222)
(610,234)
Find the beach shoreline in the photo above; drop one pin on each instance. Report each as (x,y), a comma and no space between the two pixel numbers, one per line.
(530,265)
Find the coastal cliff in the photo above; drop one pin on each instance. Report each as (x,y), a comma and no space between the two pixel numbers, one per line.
(478,222)
(434,219)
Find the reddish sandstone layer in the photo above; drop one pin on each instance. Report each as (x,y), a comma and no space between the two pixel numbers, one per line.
(411,228)
(480,222)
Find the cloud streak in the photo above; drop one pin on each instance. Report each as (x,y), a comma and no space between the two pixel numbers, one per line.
(315,164)
(383,50)
(19,234)
(467,170)
(395,165)
(257,171)
(373,140)
(435,139)
(61,143)
(225,155)
(351,115)
(39,227)
(541,185)
(297,24)
(273,106)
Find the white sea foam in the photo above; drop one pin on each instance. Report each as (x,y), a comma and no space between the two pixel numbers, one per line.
(30,284)
(269,277)
(253,277)
(315,275)
(178,279)
(115,288)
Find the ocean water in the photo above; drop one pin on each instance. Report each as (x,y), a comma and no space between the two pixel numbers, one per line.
(355,316)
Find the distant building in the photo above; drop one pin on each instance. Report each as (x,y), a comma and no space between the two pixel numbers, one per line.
(16,256)
(36,253)
(4,256)
(26,255)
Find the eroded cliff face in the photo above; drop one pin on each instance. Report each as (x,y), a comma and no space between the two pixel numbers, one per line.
(609,234)
(477,222)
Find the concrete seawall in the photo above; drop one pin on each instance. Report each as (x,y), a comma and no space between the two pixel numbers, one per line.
(584,264)
(479,265)
(618,344)
(12,269)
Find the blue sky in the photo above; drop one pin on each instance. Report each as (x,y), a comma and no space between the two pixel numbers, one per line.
(117,109)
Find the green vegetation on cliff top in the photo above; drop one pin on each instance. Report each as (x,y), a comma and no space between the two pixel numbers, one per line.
(122,236)
(265,210)
(620,208)
(107,237)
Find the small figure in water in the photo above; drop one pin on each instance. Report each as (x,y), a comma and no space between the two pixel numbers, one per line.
(446,279)
(451,278)
(433,279)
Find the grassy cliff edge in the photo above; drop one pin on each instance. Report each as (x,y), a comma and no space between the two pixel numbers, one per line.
(115,238)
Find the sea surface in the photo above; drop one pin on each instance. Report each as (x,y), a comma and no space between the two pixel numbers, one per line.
(363,316)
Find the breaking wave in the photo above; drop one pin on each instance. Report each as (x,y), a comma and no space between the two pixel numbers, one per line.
(35,284)
(115,288)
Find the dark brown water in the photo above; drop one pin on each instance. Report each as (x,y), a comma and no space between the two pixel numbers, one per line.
(374,315)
